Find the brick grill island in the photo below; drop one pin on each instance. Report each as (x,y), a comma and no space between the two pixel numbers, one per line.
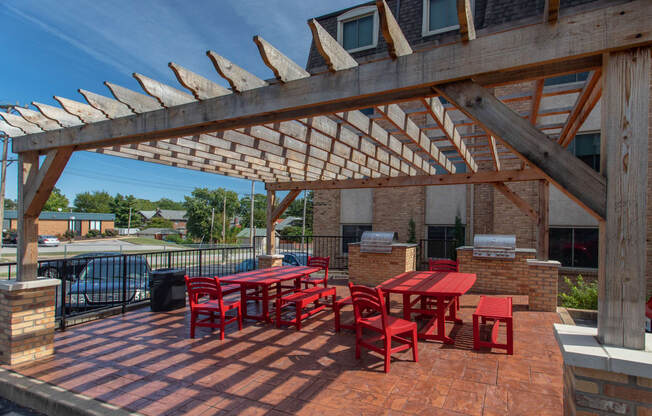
(371,269)
(523,275)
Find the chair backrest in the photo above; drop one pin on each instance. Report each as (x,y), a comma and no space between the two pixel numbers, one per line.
(199,287)
(443,265)
(368,299)
(322,262)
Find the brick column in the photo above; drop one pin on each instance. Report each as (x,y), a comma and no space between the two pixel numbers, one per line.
(27,312)
(266,261)
(543,279)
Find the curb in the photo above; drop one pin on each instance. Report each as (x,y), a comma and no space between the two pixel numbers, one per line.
(52,400)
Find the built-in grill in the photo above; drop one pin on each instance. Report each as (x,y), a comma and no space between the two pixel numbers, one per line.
(377,242)
(494,246)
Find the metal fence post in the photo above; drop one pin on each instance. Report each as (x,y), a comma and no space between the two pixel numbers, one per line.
(169,259)
(124,283)
(200,262)
(63,277)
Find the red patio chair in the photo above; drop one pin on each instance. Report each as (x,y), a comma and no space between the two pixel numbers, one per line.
(206,298)
(442,265)
(388,328)
(322,262)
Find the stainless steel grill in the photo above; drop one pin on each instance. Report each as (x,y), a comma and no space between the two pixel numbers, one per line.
(494,245)
(377,242)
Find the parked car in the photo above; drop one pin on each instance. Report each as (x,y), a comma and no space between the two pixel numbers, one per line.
(295,259)
(103,280)
(70,268)
(10,237)
(48,241)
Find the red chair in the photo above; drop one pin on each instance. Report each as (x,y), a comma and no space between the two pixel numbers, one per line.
(206,298)
(441,265)
(387,328)
(321,262)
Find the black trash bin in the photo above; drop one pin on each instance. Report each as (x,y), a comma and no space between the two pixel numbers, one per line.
(168,289)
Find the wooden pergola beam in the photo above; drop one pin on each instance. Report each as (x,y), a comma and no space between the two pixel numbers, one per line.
(551,11)
(421,180)
(284,69)
(520,203)
(506,53)
(38,188)
(465,17)
(397,44)
(576,179)
(586,101)
(284,204)
(336,57)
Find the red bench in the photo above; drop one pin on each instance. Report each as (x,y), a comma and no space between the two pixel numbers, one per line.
(497,310)
(300,300)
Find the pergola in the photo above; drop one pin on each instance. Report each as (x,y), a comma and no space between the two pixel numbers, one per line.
(302,131)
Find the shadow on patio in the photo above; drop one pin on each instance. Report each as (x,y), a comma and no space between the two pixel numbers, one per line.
(145,362)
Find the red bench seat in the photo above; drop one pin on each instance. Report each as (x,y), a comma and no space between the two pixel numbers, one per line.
(496,310)
(301,299)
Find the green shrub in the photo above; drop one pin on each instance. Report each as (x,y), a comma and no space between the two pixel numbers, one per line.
(93,233)
(69,234)
(111,232)
(581,295)
(174,238)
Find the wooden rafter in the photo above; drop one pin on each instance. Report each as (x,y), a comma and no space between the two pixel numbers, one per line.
(494,152)
(239,79)
(397,44)
(40,185)
(20,123)
(85,112)
(109,107)
(137,102)
(536,101)
(465,17)
(520,203)
(38,119)
(284,69)
(336,57)
(200,87)
(166,96)
(284,204)
(551,11)
(59,115)
(585,103)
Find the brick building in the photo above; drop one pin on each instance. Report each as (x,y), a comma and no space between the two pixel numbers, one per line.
(476,208)
(57,223)
(176,216)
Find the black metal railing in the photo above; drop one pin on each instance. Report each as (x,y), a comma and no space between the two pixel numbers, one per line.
(435,249)
(92,284)
(297,248)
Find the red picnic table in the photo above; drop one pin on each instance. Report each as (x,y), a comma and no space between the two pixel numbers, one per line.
(264,279)
(444,287)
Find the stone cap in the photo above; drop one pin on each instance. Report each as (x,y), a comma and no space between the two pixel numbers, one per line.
(14,285)
(518,250)
(547,263)
(270,256)
(580,347)
(393,245)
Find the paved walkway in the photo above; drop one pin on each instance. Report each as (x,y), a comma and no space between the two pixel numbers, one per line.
(145,362)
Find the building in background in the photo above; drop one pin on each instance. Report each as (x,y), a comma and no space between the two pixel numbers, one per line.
(57,223)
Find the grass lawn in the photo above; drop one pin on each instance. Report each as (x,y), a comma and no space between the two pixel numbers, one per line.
(148,241)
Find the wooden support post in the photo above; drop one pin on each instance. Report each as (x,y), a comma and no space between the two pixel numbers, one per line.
(624,160)
(543,225)
(271,226)
(27,247)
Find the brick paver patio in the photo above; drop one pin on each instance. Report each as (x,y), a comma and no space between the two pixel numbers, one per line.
(145,362)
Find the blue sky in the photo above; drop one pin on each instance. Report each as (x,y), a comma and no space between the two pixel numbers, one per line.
(54,47)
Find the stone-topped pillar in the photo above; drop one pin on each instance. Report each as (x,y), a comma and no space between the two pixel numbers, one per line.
(27,313)
(266,261)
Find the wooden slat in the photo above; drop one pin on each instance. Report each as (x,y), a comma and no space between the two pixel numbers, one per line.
(439,114)
(543,225)
(336,57)
(421,180)
(166,95)
(573,177)
(27,227)
(61,116)
(239,79)
(10,130)
(551,11)
(137,102)
(40,187)
(465,17)
(520,203)
(38,119)
(84,112)
(397,44)
(623,254)
(536,101)
(494,153)
(284,68)
(20,123)
(284,204)
(501,57)
(201,87)
(109,107)
(585,103)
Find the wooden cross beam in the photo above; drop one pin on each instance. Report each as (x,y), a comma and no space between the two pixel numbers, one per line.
(551,11)
(586,101)
(397,44)
(465,17)
(284,204)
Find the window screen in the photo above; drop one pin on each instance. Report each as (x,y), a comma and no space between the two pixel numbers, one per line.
(442,14)
(358,33)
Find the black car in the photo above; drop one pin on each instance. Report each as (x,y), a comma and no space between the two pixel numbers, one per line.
(10,237)
(68,269)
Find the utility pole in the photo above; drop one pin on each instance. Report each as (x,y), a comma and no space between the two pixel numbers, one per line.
(210,238)
(129,223)
(303,227)
(252,227)
(224,220)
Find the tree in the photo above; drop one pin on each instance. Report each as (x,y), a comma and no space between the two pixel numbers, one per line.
(98,201)
(165,203)
(199,206)
(10,204)
(260,210)
(158,222)
(296,210)
(55,201)
(120,207)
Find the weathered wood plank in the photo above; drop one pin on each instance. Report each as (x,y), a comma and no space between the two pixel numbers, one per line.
(421,180)
(284,68)
(284,204)
(500,57)
(166,95)
(39,189)
(571,176)
(543,224)
(10,130)
(84,112)
(20,123)
(336,57)
(551,11)
(536,101)
(494,152)
(108,106)
(37,118)
(27,241)
(465,17)
(137,102)
(271,225)
(520,203)
(239,79)
(624,159)
(586,101)
(202,88)
(397,44)
(61,116)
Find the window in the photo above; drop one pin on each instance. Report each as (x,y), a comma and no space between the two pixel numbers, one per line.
(95,225)
(443,240)
(351,233)
(587,148)
(74,226)
(439,16)
(574,247)
(357,29)
(566,79)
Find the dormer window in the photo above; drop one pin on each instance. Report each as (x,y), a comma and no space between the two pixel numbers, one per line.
(357,29)
(439,16)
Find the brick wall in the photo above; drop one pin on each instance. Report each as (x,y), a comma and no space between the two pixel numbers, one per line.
(326,212)
(52,227)
(26,324)
(522,276)
(598,392)
(371,269)
(648,269)
(394,207)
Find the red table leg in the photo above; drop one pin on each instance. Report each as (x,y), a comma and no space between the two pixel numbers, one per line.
(266,303)
(406,307)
